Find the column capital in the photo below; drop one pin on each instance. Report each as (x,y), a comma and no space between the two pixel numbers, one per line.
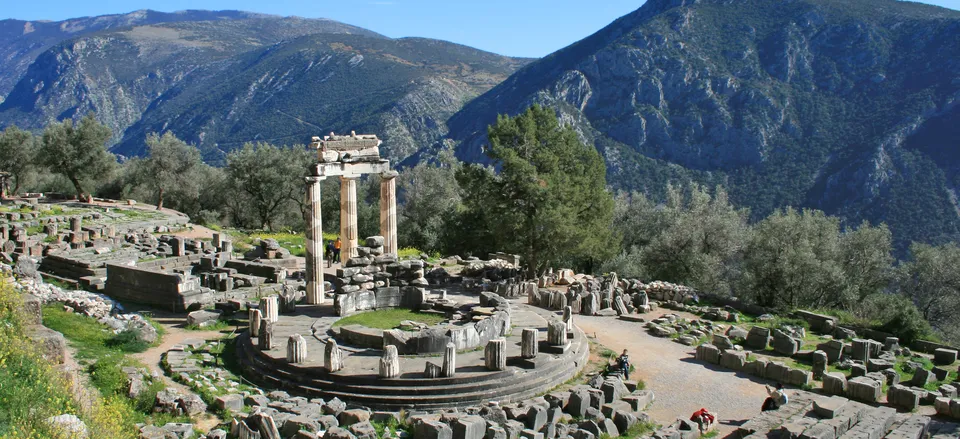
(389,175)
(314,179)
(349,177)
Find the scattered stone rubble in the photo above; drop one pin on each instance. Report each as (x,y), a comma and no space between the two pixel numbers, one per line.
(94,305)
(609,407)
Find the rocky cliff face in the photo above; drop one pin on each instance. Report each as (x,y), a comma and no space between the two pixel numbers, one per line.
(817,103)
(22,41)
(243,77)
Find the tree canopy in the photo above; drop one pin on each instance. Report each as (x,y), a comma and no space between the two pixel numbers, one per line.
(171,165)
(17,151)
(548,202)
(77,151)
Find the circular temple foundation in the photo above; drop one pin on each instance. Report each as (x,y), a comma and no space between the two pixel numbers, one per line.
(359,381)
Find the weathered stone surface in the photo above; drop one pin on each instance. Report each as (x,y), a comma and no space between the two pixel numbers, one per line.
(68,425)
(495,354)
(758,337)
(829,408)
(469,427)
(340,433)
(864,389)
(785,344)
(922,377)
(390,363)
(449,367)
(347,418)
(903,397)
(556,333)
(265,338)
(536,417)
(708,353)
(613,389)
(254,318)
(203,318)
(296,349)
(430,429)
(734,360)
(833,348)
(332,358)
(820,360)
(232,402)
(529,343)
(944,357)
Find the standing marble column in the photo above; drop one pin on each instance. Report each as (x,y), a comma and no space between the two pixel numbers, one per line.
(495,354)
(390,363)
(255,318)
(296,349)
(270,308)
(449,360)
(388,211)
(348,218)
(314,243)
(529,343)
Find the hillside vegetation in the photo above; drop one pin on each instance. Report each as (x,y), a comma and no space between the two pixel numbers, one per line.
(844,106)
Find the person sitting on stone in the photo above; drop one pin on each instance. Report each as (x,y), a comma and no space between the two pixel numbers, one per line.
(704,419)
(777,398)
(624,362)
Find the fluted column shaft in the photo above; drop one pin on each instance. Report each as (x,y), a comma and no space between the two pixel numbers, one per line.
(388,211)
(315,294)
(348,218)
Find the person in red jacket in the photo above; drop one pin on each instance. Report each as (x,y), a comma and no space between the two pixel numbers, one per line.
(704,419)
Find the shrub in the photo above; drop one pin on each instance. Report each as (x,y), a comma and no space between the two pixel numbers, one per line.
(908,324)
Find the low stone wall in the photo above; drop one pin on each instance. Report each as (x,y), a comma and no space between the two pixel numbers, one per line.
(271,273)
(378,298)
(495,324)
(759,367)
(176,292)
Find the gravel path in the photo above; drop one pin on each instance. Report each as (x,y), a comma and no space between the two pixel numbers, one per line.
(681,384)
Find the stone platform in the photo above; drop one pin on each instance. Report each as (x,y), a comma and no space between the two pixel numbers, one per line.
(358,382)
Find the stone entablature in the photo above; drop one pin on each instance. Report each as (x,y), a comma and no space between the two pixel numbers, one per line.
(347,157)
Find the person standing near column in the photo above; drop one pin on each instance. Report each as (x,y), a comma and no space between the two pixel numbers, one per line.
(336,249)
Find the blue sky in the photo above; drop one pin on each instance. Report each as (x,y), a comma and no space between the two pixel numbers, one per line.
(518,28)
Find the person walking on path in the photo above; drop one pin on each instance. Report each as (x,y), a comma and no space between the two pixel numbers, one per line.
(336,249)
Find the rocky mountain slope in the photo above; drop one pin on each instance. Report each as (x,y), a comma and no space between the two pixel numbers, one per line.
(844,105)
(22,41)
(222,79)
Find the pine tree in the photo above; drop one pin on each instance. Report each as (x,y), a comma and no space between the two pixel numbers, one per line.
(548,202)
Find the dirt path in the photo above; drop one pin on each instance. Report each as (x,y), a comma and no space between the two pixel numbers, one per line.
(681,385)
(176,334)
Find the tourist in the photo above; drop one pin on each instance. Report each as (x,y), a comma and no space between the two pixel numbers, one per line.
(329,253)
(777,398)
(336,249)
(704,419)
(624,362)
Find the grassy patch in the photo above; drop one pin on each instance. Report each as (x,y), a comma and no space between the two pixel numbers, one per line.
(34,230)
(220,325)
(31,390)
(388,318)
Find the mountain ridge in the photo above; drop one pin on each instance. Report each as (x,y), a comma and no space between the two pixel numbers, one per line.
(805,103)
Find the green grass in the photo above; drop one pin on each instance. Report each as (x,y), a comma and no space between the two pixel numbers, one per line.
(294,242)
(34,230)
(388,318)
(220,325)
(91,339)
(31,389)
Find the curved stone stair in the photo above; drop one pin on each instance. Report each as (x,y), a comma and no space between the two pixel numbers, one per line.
(511,385)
